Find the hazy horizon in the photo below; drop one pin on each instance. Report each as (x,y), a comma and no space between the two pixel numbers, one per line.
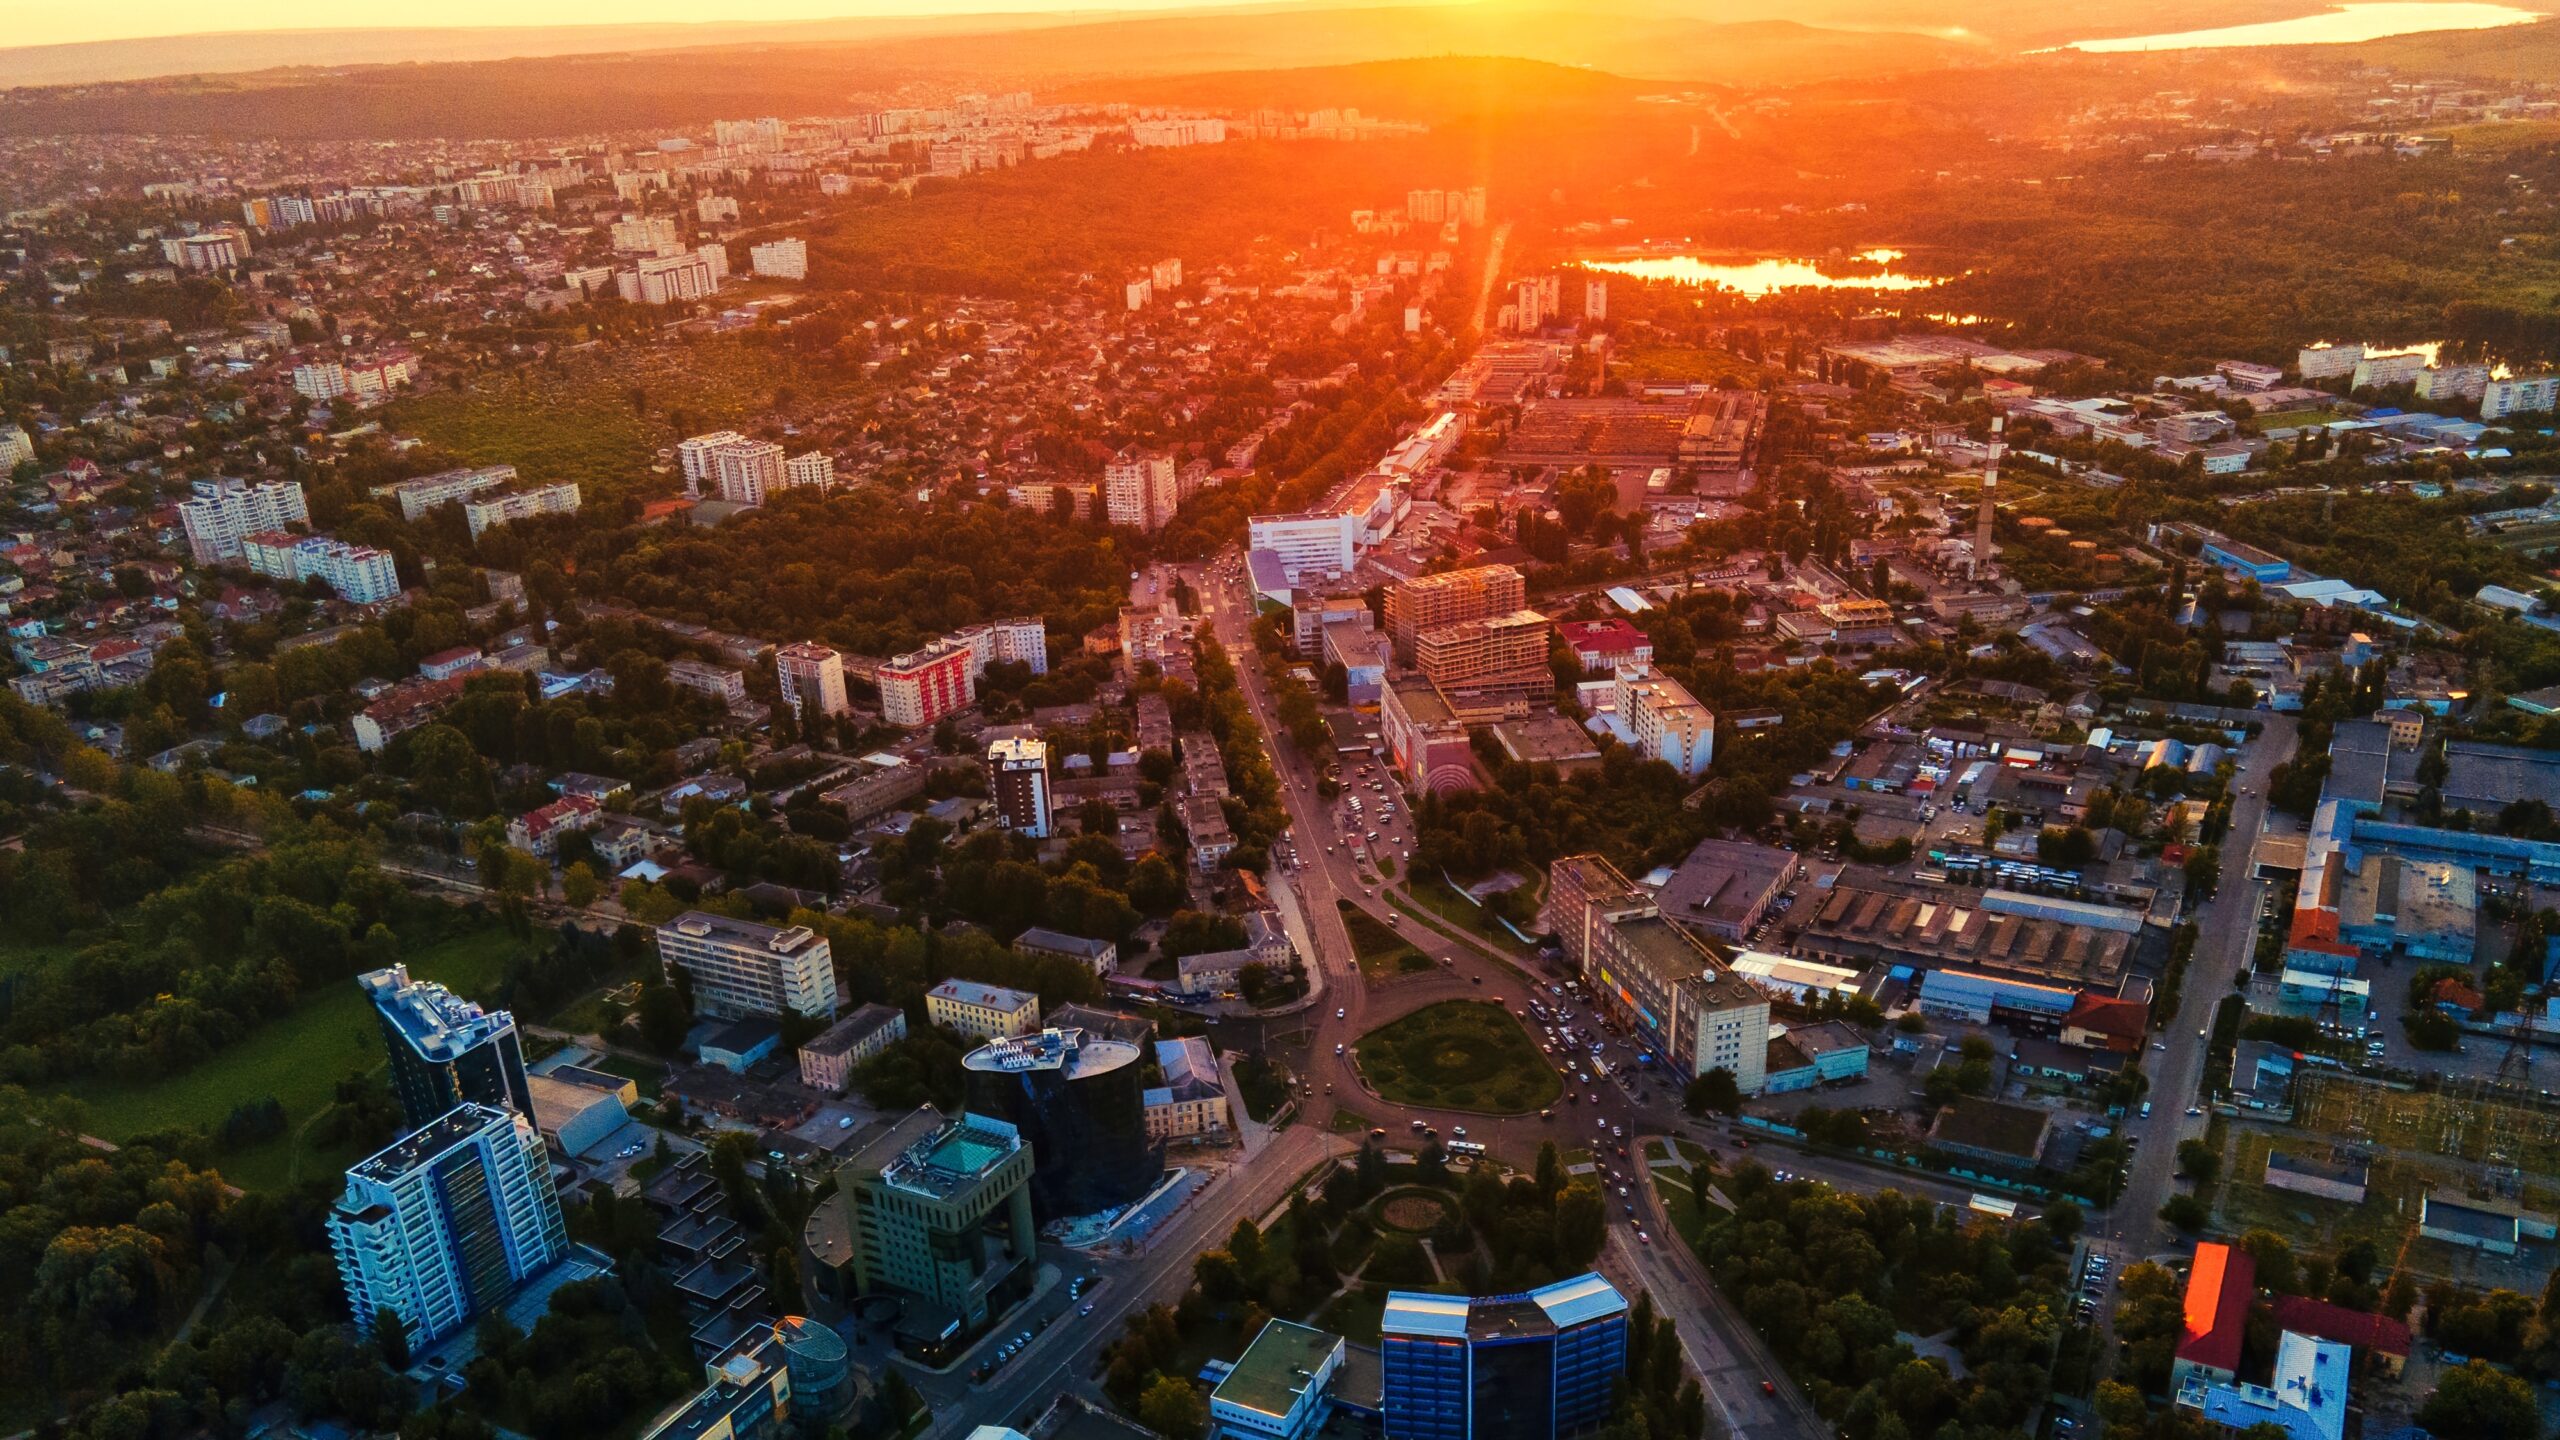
(35,28)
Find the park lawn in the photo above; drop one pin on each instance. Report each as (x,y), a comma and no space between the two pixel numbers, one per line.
(299,1059)
(1459,1055)
(1383,954)
(1435,896)
(2294,419)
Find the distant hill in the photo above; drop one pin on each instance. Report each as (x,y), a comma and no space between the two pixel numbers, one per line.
(567,94)
(1994,24)
(1439,90)
(2522,52)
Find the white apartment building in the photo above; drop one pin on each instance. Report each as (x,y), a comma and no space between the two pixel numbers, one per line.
(225,513)
(359,574)
(786,259)
(1140,490)
(425,493)
(815,470)
(715,255)
(645,234)
(448,1223)
(1668,723)
(2375,371)
(1024,638)
(2453,382)
(712,208)
(747,471)
(321,380)
(15,448)
(740,969)
(1307,544)
(810,671)
(694,457)
(2326,362)
(725,685)
(497,510)
(2525,395)
(668,280)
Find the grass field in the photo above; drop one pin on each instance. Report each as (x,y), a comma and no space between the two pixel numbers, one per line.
(577,421)
(1459,1055)
(1435,896)
(2291,419)
(1383,954)
(298,1059)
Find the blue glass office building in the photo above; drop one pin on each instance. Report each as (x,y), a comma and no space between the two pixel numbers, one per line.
(1536,1366)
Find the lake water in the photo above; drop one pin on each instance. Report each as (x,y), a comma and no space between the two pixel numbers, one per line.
(2343,25)
(1764,276)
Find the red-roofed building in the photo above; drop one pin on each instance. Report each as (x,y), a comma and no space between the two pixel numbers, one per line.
(2219,1289)
(1604,645)
(2452,995)
(2106,1022)
(538,832)
(2382,1338)
(447,664)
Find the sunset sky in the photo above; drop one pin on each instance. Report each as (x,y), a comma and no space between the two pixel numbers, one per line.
(43,22)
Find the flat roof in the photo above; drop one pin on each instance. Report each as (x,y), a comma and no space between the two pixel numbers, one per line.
(1577,1301)
(1411,1312)
(841,1037)
(1275,1370)
(1072,1053)
(2467,1217)
(704,925)
(992,997)
(453,1128)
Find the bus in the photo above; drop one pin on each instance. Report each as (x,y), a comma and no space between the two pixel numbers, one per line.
(1993,1206)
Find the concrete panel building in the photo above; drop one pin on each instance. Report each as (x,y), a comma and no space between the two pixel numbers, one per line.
(740,968)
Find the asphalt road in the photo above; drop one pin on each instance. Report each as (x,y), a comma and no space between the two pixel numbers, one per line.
(2226,934)
(1724,1351)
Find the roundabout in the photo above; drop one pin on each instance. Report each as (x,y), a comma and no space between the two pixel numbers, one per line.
(1458,1055)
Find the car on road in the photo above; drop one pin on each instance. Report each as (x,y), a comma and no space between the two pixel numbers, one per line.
(1337,1049)
(1768,1388)
(1341,1012)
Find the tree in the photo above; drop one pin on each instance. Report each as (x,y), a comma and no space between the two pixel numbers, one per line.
(664,1020)
(579,885)
(1582,1220)
(1714,1090)
(392,1336)
(2479,1402)
(1172,1408)
(2198,1160)
(2187,1213)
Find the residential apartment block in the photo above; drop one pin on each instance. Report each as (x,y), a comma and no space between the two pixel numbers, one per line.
(741,969)
(487,514)
(224,513)
(828,1060)
(448,1223)
(359,574)
(922,686)
(786,259)
(1139,490)
(811,673)
(446,1051)
(1665,721)
(1432,601)
(1018,784)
